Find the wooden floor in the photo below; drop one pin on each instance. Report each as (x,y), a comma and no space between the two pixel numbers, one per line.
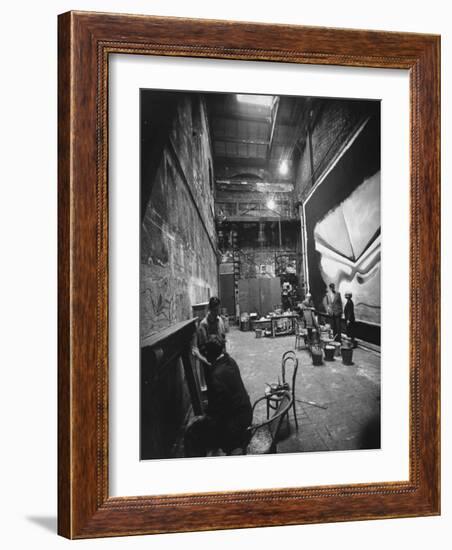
(338,406)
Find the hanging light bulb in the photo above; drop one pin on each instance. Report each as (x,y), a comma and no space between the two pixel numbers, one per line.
(271,204)
(284,167)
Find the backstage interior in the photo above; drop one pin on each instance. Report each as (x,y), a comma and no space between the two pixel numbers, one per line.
(263,202)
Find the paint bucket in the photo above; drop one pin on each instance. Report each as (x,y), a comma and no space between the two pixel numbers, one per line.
(258,332)
(317,357)
(329,352)
(245,325)
(347,356)
(337,349)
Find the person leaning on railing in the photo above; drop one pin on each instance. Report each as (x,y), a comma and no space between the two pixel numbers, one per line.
(211,325)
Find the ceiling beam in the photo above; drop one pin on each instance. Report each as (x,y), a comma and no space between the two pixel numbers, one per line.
(233,115)
(275,111)
(232,139)
(257,219)
(258,162)
(253,186)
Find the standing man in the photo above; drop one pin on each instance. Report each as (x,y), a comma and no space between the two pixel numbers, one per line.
(333,307)
(308,313)
(211,325)
(349,314)
(285,296)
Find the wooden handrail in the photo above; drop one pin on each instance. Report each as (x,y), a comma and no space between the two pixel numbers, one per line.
(158,337)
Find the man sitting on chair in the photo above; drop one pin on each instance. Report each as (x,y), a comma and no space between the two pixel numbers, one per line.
(229,411)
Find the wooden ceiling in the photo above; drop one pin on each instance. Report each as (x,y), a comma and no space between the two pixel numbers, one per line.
(253,134)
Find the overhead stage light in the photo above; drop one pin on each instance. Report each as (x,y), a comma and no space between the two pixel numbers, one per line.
(271,204)
(284,167)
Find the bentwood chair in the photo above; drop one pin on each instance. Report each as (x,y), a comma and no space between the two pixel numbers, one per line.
(289,369)
(264,435)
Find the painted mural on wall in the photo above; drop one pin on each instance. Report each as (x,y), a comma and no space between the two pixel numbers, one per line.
(257,263)
(343,226)
(178,259)
(286,264)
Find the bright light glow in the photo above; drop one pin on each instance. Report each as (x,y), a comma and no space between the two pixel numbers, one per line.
(260,100)
(284,167)
(271,204)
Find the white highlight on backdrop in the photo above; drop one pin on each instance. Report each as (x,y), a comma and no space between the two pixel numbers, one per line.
(130,476)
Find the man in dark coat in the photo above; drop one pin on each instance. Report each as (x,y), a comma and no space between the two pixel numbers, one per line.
(349,314)
(333,306)
(229,411)
(308,315)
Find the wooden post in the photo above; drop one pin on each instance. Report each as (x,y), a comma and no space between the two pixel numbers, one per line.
(192,382)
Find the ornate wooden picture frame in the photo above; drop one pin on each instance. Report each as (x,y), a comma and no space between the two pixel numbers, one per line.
(86,41)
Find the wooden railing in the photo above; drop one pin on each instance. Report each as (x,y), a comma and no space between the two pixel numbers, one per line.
(169,388)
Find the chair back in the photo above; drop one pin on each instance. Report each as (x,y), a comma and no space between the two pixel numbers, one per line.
(289,362)
(290,354)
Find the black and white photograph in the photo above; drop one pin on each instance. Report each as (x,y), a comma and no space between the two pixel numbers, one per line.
(260,274)
(225,226)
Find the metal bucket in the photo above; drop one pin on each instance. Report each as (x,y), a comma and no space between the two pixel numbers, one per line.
(329,352)
(347,356)
(317,358)
(245,325)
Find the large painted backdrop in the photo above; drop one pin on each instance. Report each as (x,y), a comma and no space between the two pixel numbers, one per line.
(343,226)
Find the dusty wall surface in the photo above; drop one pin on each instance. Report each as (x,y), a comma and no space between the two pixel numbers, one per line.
(178,241)
(268,259)
(267,262)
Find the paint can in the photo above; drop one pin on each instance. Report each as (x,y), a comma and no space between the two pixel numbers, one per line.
(258,332)
(245,325)
(329,352)
(337,349)
(347,356)
(316,354)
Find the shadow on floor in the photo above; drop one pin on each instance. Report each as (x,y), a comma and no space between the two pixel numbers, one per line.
(49,523)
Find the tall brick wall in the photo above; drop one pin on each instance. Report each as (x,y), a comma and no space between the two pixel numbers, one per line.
(333,121)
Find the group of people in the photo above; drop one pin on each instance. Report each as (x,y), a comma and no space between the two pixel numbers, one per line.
(332,305)
(229,413)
